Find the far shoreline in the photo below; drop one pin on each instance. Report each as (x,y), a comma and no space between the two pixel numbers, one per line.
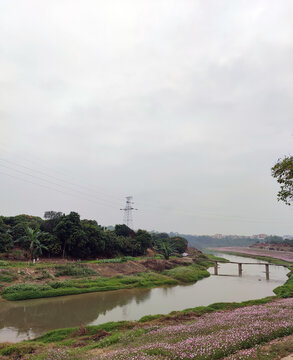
(286,256)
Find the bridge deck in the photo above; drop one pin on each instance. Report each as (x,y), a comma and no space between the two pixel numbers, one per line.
(244,263)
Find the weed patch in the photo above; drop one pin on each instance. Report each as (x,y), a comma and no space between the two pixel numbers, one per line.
(187,274)
(75,269)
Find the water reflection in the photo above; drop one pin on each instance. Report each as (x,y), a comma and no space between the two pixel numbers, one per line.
(30,318)
(42,315)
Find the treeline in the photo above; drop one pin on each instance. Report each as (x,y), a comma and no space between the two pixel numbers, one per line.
(273,239)
(60,235)
(205,241)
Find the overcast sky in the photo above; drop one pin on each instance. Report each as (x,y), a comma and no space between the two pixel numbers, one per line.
(185,105)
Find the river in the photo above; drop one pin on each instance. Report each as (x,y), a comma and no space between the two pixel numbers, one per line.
(30,318)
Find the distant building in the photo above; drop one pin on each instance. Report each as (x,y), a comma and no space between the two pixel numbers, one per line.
(218,236)
(260,236)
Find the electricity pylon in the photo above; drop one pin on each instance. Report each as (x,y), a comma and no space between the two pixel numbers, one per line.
(127,217)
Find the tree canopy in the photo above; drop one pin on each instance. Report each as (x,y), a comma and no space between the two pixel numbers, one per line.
(283,172)
(61,235)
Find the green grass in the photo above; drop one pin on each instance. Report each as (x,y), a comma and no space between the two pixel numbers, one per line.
(63,334)
(17,351)
(200,310)
(7,276)
(187,274)
(106,261)
(180,274)
(71,287)
(286,290)
(3,263)
(216,258)
(121,259)
(74,269)
(76,345)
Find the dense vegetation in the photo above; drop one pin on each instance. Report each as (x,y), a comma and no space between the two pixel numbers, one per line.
(278,240)
(60,235)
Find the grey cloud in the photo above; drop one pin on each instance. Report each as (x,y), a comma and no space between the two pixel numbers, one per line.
(186,105)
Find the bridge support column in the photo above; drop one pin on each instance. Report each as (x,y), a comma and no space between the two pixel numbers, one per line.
(240,269)
(216,268)
(267,272)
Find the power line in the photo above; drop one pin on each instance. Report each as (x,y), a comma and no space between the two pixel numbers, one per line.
(88,188)
(115,202)
(57,190)
(53,177)
(54,183)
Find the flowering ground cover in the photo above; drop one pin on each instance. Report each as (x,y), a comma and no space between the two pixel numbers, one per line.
(273,350)
(213,336)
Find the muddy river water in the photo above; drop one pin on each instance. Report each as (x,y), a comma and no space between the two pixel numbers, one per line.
(30,318)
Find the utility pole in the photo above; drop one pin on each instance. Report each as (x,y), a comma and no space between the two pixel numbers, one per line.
(127,217)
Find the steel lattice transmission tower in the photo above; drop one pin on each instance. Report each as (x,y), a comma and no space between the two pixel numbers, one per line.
(127,217)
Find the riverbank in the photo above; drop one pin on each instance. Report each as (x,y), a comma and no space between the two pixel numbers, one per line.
(244,330)
(21,281)
(257,329)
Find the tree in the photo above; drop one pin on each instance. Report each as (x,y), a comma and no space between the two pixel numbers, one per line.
(179,243)
(124,230)
(19,231)
(95,238)
(66,226)
(35,246)
(50,215)
(6,242)
(143,238)
(165,247)
(283,172)
(52,219)
(52,243)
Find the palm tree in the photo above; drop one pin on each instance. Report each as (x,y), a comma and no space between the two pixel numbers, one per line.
(35,246)
(164,247)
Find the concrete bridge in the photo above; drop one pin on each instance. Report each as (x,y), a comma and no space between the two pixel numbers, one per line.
(240,267)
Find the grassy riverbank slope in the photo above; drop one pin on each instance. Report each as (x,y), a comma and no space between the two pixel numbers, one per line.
(257,329)
(220,331)
(20,281)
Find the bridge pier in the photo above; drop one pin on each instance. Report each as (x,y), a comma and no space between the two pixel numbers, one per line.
(216,268)
(240,269)
(267,272)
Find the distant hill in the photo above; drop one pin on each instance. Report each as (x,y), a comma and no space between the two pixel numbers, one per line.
(205,241)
